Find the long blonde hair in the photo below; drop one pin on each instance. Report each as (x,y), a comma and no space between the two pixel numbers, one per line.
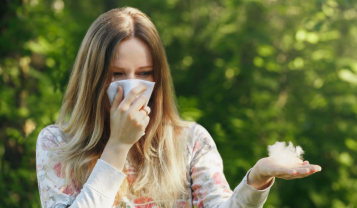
(161,154)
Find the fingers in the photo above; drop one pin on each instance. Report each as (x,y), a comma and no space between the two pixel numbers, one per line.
(305,162)
(286,173)
(139,103)
(144,122)
(148,109)
(291,172)
(312,168)
(117,99)
(143,113)
(296,172)
(303,171)
(132,95)
(306,169)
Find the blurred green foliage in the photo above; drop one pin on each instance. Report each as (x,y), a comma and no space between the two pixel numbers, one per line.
(250,71)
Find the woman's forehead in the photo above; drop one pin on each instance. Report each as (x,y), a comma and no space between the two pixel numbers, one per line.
(132,52)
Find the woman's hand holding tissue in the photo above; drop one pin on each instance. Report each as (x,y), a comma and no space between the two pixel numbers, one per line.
(283,162)
(127,125)
(128,121)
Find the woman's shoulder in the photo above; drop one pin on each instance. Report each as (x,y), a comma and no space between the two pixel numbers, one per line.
(199,138)
(51,137)
(197,129)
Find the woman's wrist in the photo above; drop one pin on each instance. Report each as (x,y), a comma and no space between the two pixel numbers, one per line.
(115,143)
(115,154)
(257,180)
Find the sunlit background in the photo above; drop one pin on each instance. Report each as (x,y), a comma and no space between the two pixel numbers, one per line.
(252,72)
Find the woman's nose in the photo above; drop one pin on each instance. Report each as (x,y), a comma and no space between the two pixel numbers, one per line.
(130,76)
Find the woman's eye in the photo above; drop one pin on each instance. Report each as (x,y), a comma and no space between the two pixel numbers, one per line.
(145,73)
(117,74)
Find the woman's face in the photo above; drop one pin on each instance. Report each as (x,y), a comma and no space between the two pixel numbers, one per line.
(133,60)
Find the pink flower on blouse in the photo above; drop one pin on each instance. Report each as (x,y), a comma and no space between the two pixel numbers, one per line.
(196,187)
(74,189)
(181,204)
(57,169)
(143,200)
(195,171)
(227,191)
(200,205)
(39,168)
(197,191)
(67,190)
(131,178)
(197,146)
(219,180)
(49,142)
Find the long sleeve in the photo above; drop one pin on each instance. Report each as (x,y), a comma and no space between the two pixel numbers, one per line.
(209,185)
(99,190)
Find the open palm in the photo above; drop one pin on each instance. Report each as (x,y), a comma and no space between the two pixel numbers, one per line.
(270,168)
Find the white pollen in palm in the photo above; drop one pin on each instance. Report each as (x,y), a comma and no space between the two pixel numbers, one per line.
(288,156)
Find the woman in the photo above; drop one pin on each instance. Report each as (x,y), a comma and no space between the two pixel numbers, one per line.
(96,154)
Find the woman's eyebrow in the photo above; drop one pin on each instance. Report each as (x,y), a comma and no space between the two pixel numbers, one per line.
(117,67)
(142,67)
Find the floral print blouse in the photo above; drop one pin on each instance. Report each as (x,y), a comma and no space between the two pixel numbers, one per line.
(207,186)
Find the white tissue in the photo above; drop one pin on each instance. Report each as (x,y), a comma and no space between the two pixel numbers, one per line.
(288,156)
(127,85)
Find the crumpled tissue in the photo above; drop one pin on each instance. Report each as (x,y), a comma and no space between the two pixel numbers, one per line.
(127,85)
